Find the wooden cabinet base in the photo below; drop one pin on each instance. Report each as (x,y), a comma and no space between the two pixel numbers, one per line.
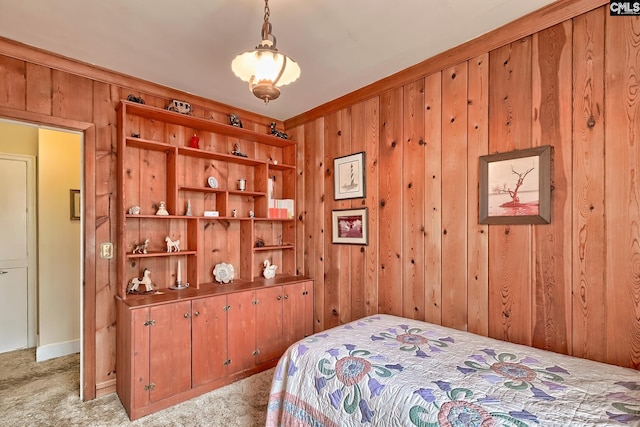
(135,413)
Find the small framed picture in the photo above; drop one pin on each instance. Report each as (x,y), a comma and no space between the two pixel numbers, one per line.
(350,226)
(74,204)
(515,187)
(349,176)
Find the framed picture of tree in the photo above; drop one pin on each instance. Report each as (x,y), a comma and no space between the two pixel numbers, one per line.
(515,187)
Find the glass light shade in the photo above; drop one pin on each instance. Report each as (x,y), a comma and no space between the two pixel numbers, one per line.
(264,65)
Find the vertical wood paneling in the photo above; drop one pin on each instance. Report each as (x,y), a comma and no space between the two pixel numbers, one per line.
(38,89)
(454,196)
(372,147)
(13,88)
(359,142)
(433,198)
(551,91)
(477,234)
(589,246)
(390,294)
(314,197)
(413,184)
(297,134)
(105,275)
(72,96)
(337,259)
(346,251)
(622,189)
(510,246)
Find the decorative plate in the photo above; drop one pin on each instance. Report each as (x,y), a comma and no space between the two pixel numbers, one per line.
(223,272)
(213,183)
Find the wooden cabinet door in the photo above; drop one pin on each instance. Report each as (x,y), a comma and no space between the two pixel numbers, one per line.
(295,312)
(209,339)
(139,353)
(242,331)
(308,308)
(269,323)
(170,349)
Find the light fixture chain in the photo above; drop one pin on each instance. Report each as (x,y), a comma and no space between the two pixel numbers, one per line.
(267,12)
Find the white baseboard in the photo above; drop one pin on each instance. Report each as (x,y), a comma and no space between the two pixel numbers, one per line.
(51,351)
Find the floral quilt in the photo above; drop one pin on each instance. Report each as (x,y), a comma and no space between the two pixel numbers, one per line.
(385,370)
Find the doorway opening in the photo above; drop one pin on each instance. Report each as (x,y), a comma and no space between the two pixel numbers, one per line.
(54,269)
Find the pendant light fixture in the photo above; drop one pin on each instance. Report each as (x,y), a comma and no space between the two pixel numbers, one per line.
(264,67)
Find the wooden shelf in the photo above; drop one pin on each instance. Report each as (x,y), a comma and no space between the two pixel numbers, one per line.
(272,247)
(230,158)
(160,254)
(159,114)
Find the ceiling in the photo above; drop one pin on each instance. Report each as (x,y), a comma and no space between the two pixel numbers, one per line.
(340,45)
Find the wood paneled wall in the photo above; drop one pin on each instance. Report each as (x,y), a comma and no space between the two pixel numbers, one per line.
(42,88)
(572,286)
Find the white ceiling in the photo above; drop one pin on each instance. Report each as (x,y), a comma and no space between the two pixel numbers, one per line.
(340,45)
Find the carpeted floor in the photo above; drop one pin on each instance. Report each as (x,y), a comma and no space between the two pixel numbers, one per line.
(47,394)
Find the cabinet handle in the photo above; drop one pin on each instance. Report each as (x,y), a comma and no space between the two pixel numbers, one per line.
(279,297)
(149,387)
(186,315)
(286,297)
(197,313)
(254,302)
(149,323)
(256,352)
(4,272)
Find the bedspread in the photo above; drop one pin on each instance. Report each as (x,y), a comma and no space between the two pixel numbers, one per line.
(385,370)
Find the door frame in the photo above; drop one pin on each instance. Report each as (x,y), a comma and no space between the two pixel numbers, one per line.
(88,236)
(32,265)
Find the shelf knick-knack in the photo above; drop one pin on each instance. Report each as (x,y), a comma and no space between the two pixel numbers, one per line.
(269,271)
(172,245)
(162,210)
(145,281)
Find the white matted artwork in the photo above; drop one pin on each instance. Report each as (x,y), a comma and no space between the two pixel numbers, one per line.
(349,176)
(350,226)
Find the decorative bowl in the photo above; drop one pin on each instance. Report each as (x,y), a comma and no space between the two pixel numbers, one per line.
(223,272)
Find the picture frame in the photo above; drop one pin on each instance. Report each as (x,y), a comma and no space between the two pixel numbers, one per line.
(350,226)
(515,187)
(349,179)
(74,205)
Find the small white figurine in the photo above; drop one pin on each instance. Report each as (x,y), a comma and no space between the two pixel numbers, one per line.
(162,209)
(172,245)
(188,212)
(269,271)
(234,213)
(134,210)
(145,280)
(141,248)
(251,214)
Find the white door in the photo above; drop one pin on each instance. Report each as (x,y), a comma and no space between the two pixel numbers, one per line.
(14,252)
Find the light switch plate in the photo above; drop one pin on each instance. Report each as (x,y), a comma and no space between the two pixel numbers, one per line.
(106,250)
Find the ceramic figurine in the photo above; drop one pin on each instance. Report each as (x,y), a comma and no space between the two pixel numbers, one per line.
(141,248)
(234,213)
(172,245)
(269,271)
(235,121)
(188,212)
(136,99)
(194,142)
(251,214)
(278,133)
(145,280)
(134,210)
(162,209)
(236,150)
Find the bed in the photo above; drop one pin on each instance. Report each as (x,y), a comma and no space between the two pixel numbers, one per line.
(385,370)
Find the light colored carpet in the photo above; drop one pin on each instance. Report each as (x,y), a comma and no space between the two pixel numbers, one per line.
(47,394)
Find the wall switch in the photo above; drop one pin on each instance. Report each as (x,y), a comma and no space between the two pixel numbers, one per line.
(106,250)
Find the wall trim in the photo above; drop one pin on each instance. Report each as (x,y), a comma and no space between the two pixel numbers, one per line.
(51,351)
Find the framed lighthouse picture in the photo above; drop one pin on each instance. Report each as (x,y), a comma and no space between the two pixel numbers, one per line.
(349,176)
